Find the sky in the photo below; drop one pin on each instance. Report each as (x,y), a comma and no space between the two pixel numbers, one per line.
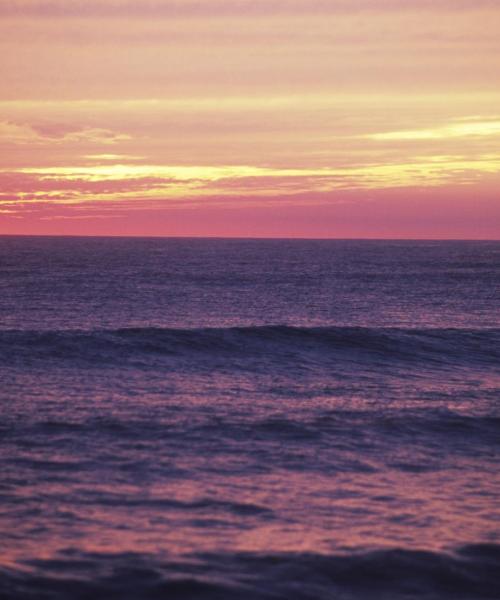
(250,118)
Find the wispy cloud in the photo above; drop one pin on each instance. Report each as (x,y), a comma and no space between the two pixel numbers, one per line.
(26,133)
(113,157)
(243,8)
(472,128)
(125,183)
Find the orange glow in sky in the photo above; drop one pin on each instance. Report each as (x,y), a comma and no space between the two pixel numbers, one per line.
(298,118)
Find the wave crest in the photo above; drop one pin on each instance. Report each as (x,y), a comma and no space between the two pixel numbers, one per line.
(470,573)
(271,344)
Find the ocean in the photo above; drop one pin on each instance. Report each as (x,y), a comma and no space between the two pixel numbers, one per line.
(249,419)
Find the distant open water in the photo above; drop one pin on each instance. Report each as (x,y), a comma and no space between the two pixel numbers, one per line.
(222,419)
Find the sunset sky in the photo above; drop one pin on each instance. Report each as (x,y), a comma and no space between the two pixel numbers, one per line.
(293,118)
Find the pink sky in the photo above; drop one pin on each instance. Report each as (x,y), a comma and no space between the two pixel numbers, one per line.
(303,118)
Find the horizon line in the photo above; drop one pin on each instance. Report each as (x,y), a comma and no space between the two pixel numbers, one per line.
(254,238)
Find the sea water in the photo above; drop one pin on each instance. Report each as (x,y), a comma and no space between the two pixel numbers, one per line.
(249,419)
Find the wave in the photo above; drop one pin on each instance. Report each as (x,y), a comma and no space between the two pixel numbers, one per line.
(338,423)
(356,442)
(469,573)
(249,347)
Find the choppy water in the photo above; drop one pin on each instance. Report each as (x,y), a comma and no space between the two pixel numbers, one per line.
(249,419)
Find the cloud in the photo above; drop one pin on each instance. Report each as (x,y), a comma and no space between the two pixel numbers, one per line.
(26,133)
(464,129)
(243,8)
(113,157)
(129,183)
